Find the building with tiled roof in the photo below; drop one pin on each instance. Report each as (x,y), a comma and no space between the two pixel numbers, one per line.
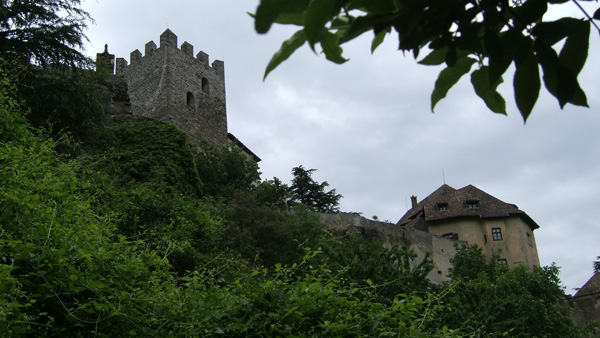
(474,216)
(585,305)
(590,288)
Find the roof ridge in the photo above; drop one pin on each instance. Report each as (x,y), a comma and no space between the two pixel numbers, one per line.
(590,287)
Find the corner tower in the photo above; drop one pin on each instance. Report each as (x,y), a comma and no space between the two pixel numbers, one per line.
(170,84)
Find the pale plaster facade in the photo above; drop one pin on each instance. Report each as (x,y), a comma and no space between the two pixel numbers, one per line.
(471,215)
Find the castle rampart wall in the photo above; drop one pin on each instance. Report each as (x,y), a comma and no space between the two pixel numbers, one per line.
(440,249)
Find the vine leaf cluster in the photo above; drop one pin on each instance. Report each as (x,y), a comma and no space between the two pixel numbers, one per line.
(480,37)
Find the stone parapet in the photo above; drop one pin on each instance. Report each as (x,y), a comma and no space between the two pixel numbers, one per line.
(439,249)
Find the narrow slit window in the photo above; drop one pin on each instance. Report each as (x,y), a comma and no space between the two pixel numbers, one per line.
(205,85)
(190,100)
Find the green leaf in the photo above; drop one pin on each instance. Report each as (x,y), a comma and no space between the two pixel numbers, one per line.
(331,47)
(378,40)
(575,50)
(448,78)
(530,11)
(359,26)
(435,58)
(481,83)
(493,46)
(267,12)
(451,57)
(526,84)
(291,19)
(279,11)
(560,81)
(495,50)
(552,32)
(319,12)
(288,47)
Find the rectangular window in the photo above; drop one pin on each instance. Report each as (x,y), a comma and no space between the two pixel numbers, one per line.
(502,261)
(496,234)
(529,240)
(443,207)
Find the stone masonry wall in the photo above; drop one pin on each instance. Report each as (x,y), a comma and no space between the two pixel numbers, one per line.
(440,249)
(169,84)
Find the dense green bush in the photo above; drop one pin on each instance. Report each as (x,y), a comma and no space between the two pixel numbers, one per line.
(64,272)
(225,171)
(366,263)
(149,152)
(142,238)
(489,300)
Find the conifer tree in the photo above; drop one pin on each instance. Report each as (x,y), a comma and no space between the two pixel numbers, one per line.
(43,32)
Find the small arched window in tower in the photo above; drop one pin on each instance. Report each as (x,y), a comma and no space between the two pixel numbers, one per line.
(190,101)
(205,86)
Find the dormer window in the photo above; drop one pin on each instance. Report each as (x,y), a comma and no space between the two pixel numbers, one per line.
(474,204)
(442,207)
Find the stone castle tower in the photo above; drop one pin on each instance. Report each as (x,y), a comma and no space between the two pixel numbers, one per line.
(170,84)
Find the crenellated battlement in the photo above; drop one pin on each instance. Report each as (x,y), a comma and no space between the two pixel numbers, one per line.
(168,83)
(168,40)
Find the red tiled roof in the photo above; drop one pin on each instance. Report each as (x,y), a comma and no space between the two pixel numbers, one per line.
(456,203)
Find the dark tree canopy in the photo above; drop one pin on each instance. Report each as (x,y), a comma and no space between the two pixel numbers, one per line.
(491,34)
(491,300)
(42,32)
(307,191)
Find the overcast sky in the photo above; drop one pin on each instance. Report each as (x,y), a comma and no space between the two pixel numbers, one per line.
(368,129)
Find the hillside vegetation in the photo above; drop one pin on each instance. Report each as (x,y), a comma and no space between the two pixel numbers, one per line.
(123,228)
(137,232)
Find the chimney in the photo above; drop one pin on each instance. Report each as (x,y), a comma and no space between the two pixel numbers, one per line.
(413,201)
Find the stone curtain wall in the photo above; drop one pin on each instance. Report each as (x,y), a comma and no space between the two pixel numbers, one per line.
(169,84)
(440,249)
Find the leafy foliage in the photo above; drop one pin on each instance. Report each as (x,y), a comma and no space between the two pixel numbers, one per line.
(43,32)
(226,170)
(470,262)
(366,263)
(307,191)
(64,272)
(62,102)
(274,193)
(122,244)
(491,300)
(460,33)
(149,152)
